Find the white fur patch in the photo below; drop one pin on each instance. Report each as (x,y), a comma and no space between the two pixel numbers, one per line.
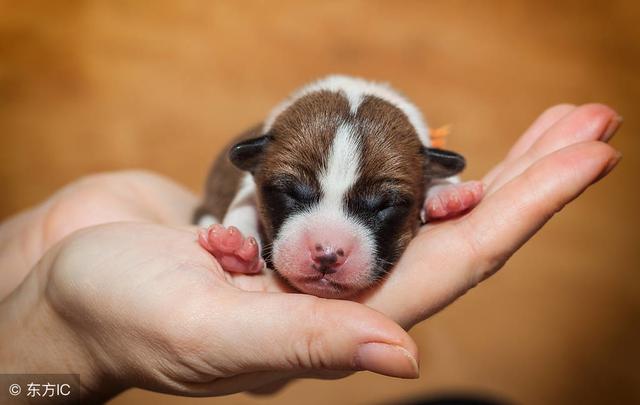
(242,212)
(342,168)
(207,220)
(355,89)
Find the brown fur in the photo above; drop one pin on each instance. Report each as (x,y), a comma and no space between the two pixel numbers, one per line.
(223,181)
(392,156)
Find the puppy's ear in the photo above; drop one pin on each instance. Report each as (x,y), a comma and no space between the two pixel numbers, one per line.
(247,155)
(442,163)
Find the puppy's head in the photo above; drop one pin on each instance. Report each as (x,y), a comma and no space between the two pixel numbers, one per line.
(339,189)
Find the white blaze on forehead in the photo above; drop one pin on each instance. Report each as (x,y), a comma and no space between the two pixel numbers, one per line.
(355,90)
(342,167)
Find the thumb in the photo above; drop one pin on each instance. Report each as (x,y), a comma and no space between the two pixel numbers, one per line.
(296,332)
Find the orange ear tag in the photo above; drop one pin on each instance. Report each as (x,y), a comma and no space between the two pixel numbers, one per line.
(439,136)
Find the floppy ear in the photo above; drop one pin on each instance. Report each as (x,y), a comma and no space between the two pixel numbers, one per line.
(247,155)
(442,163)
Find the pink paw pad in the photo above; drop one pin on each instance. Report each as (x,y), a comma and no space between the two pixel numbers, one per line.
(445,201)
(234,252)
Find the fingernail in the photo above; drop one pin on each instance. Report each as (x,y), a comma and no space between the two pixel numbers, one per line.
(612,163)
(611,129)
(386,359)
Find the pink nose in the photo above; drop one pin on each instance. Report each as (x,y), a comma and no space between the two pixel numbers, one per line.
(327,259)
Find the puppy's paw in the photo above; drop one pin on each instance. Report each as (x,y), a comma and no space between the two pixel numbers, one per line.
(449,200)
(234,252)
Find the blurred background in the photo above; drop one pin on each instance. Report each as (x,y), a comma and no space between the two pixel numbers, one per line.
(89,86)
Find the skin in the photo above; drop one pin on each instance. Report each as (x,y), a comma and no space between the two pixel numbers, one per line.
(140,303)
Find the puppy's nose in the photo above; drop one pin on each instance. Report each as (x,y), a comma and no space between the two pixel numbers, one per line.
(327,259)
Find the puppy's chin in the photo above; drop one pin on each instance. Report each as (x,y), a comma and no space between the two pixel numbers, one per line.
(324,287)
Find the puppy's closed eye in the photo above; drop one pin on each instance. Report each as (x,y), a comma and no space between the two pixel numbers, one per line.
(302,193)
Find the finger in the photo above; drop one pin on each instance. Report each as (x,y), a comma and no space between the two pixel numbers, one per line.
(526,203)
(535,131)
(545,121)
(301,333)
(444,261)
(586,123)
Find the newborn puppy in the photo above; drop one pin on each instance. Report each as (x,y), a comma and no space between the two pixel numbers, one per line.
(333,185)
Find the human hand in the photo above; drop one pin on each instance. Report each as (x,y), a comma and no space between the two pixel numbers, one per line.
(137,196)
(135,304)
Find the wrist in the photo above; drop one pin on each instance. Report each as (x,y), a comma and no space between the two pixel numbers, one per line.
(35,339)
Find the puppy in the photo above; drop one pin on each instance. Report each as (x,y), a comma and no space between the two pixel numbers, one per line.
(330,189)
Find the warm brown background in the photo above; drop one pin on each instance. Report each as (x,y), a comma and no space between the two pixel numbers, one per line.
(90,86)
